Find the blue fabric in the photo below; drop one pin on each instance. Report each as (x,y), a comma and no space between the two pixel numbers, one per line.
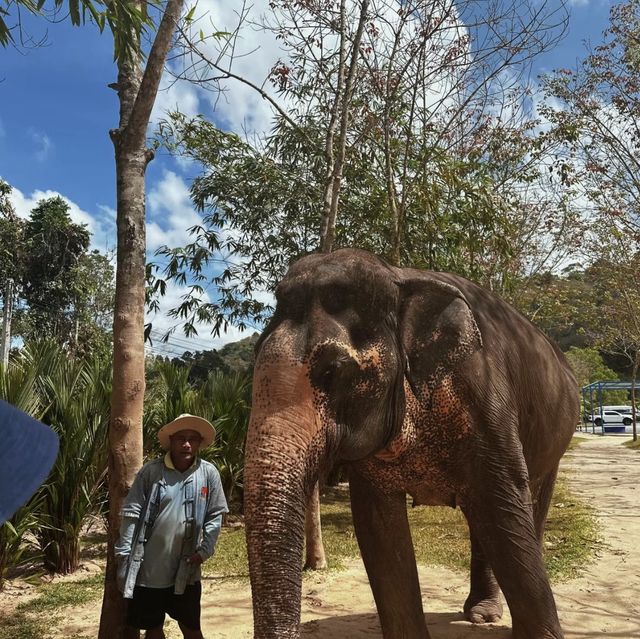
(29,450)
(204,503)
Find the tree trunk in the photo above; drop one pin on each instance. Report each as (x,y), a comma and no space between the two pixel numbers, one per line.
(335,162)
(137,93)
(342,107)
(634,407)
(315,558)
(5,341)
(125,429)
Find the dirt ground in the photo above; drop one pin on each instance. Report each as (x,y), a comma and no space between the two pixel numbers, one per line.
(604,601)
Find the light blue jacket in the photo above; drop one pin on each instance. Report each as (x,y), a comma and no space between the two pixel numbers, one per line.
(203,490)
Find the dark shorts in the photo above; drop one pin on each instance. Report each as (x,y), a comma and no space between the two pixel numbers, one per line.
(149,605)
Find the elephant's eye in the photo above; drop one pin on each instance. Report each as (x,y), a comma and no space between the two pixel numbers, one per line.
(292,301)
(293,309)
(334,303)
(336,299)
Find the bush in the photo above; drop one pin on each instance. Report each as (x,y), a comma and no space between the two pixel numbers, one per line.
(72,396)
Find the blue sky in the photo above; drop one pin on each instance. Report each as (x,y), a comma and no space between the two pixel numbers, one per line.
(56,111)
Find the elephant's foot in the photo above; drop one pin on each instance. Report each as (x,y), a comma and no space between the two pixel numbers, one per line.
(485,610)
(526,631)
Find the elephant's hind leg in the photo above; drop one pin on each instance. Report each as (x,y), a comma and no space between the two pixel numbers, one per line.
(501,514)
(383,534)
(542,500)
(483,604)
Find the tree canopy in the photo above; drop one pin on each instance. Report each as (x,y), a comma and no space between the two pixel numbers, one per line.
(123,18)
(64,291)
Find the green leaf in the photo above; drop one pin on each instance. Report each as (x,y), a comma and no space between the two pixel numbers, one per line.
(189,17)
(74,11)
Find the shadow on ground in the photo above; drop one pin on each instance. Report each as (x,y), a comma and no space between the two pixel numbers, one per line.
(442,625)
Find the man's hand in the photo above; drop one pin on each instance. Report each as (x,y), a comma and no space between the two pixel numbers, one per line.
(195,559)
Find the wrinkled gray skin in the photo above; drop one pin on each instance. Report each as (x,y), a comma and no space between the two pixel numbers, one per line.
(426,384)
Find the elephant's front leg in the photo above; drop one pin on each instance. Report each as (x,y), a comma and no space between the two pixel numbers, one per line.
(382,529)
(501,515)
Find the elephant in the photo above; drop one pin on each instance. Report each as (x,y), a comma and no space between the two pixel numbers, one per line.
(426,385)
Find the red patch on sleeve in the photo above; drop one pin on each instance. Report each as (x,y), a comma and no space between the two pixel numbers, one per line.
(204,492)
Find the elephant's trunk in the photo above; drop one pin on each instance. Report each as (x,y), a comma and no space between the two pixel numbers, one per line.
(285,444)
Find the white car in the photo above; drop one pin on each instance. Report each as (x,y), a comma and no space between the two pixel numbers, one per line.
(615,415)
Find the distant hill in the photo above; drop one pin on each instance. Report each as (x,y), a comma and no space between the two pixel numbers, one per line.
(238,356)
(234,357)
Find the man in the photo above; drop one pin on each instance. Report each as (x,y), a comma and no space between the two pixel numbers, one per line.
(170,524)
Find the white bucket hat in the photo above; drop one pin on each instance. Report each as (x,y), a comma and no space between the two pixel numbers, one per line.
(187,422)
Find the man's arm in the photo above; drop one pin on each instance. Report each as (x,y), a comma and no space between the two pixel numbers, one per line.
(131,509)
(216,506)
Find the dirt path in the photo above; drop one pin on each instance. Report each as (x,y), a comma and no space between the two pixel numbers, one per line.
(605,601)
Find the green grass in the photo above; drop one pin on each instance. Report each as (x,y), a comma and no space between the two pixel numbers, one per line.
(230,558)
(633,445)
(33,619)
(63,594)
(22,626)
(571,534)
(440,536)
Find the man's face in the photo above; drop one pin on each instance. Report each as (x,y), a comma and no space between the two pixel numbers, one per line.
(183,447)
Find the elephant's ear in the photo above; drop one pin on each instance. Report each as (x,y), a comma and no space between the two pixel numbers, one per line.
(437,329)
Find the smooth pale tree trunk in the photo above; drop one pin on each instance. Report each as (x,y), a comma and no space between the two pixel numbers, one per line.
(335,150)
(634,406)
(315,558)
(137,90)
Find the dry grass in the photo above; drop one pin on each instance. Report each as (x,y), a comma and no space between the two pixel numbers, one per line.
(440,536)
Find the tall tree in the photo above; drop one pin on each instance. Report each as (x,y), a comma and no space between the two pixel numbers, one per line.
(596,113)
(53,248)
(381,98)
(137,87)
(393,84)
(11,264)
(12,249)
(407,147)
(61,290)
(618,289)
(93,302)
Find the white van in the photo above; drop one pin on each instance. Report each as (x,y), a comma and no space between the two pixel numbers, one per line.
(615,415)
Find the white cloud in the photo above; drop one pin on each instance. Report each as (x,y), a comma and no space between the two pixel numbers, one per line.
(175,96)
(101,227)
(240,107)
(108,211)
(43,145)
(171,212)
(177,342)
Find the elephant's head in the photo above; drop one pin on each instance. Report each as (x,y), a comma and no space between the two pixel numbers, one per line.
(329,385)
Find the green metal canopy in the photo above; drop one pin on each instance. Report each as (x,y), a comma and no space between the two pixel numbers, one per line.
(594,391)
